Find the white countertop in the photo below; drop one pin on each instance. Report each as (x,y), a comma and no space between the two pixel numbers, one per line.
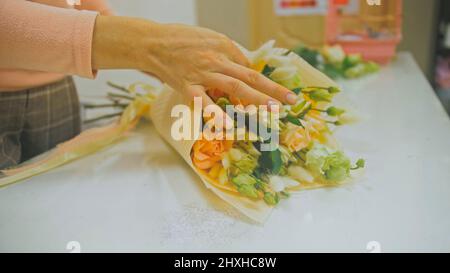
(145,198)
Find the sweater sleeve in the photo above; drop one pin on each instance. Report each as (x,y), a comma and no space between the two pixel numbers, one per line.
(45,38)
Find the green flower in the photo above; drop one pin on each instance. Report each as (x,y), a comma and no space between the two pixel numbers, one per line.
(330,164)
(360,164)
(242,162)
(245,184)
(336,167)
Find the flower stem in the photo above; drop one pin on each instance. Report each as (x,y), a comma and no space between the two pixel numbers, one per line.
(118,87)
(113,95)
(93,106)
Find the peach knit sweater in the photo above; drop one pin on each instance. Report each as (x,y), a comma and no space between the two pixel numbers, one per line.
(43,40)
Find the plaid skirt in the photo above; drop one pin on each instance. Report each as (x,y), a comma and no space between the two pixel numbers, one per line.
(35,120)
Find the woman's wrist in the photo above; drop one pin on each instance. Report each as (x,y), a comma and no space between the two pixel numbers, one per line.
(120,42)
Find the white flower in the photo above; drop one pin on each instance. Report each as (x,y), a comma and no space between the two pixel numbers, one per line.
(266,52)
(284,73)
(279,61)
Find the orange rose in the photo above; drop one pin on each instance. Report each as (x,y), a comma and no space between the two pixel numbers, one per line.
(206,153)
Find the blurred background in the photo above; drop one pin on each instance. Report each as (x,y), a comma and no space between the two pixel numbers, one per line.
(418,26)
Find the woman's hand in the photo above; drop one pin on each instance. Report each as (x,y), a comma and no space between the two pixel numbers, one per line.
(192,60)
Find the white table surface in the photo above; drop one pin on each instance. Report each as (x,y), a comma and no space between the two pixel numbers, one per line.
(140,196)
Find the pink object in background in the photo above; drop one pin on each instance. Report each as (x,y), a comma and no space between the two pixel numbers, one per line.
(355,30)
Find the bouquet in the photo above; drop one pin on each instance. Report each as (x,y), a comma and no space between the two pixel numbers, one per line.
(250,178)
(241,171)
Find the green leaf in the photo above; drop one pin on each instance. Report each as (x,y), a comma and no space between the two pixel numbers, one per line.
(267,70)
(294,120)
(271,161)
(297,90)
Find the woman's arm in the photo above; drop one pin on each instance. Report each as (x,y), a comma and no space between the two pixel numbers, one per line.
(190,59)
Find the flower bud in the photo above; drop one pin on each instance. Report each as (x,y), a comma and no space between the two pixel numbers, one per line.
(320,95)
(334,111)
(334,90)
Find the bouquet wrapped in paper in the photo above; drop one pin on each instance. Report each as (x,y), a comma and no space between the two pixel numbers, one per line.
(250,173)
(240,171)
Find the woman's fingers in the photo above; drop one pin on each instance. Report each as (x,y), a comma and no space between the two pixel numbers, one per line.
(238,89)
(238,57)
(260,82)
(234,53)
(198,91)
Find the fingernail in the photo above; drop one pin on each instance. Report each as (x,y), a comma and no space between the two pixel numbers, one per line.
(273,106)
(291,98)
